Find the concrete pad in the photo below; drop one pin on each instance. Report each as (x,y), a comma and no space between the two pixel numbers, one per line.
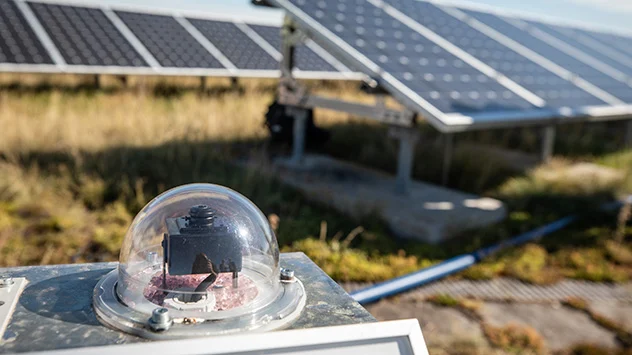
(561,327)
(617,311)
(427,212)
(443,327)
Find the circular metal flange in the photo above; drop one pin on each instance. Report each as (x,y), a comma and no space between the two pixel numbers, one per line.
(279,314)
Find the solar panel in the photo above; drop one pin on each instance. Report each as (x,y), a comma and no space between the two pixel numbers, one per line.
(78,39)
(583,36)
(18,42)
(417,70)
(510,27)
(168,41)
(620,43)
(305,58)
(557,91)
(237,46)
(84,36)
(553,31)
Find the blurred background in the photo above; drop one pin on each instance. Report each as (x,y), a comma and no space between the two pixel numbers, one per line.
(80,155)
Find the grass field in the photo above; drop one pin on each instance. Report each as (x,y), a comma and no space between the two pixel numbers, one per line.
(77,163)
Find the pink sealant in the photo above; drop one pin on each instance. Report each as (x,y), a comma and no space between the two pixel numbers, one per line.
(226,297)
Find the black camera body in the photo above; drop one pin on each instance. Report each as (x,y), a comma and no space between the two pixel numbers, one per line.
(194,244)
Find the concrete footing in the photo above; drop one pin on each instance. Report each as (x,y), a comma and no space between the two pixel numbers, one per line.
(426,212)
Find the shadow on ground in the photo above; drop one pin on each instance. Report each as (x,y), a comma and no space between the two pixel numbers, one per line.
(135,174)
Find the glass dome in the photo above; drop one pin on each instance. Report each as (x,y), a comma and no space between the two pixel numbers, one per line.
(201,251)
(198,260)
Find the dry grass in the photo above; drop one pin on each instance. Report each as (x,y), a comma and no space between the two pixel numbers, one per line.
(77,162)
(562,177)
(469,307)
(515,338)
(349,264)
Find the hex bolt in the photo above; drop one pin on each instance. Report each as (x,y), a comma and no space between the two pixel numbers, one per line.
(152,257)
(6,281)
(160,320)
(287,275)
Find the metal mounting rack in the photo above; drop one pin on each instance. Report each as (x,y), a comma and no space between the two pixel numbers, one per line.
(299,100)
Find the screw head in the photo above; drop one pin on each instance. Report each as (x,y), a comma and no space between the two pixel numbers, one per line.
(6,281)
(160,320)
(287,275)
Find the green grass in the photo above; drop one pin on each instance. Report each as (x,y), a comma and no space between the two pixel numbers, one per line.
(77,163)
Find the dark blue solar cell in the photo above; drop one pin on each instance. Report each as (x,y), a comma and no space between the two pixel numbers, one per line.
(504,25)
(85,36)
(591,51)
(240,49)
(439,77)
(305,58)
(530,75)
(168,41)
(18,42)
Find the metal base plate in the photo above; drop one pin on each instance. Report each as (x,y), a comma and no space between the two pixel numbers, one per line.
(277,315)
(9,294)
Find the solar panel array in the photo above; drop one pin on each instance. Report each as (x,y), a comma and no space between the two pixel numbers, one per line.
(457,66)
(43,36)
(462,67)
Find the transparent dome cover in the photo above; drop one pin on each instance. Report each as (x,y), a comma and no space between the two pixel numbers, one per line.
(202,251)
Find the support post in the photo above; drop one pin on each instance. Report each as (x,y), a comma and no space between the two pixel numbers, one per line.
(202,83)
(299,114)
(380,101)
(97,81)
(287,48)
(628,135)
(448,152)
(299,130)
(234,82)
(548,143)
(123,80)
(408,138)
